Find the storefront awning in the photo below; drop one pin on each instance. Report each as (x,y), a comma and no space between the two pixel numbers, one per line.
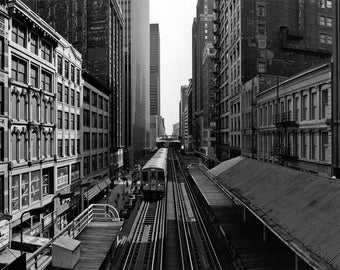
(94,191)
(104,183)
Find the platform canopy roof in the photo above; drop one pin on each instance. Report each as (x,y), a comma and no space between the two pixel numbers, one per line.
(301,208)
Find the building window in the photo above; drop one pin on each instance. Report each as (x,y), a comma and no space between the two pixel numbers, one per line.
(34,43)
(78,146)
(72,97)
(106,123)
(94,120)
(329,3)
(304,107)
(46,81)
(34,76)
(324,146)
(78,76)
(94,162)
(72,74)
(313,105)
(60,92)
(72,121)
(66,93)
(86,95)
(94,99)
(87,166)
(60,148)
(101,140)
(323,3)
(100,121)
(2,53)
(329,39)
(100,161)
(24,189)
(66,69)
(322,20)
(100,102)
(59,119)
(261,11)
(2,146)
(73,147)
(78,122)
(304,144)
(324,103)
(19,70)
(329,21)
(86,141)
(261,29)
(35,186)
(15,192)
(322,38)
(77,99)
(94,141)
(18,33)
(66,126)
(60,65)
(86,118)
(46,51)
(261,67)
(313,145)
(67,147)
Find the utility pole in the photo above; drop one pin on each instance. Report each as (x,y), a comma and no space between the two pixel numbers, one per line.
(335,93)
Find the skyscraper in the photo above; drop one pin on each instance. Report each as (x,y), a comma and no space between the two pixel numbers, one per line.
(154,83)
(136,79)
(202,33)
(95,28)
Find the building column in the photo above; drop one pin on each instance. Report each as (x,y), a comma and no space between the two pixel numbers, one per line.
(335,91)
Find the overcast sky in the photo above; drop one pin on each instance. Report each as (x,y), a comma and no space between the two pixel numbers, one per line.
(175,19)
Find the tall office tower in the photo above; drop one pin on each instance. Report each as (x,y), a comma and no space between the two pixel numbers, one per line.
(279,38)
(202,33)
(136,79)
(154,83)
(95,28)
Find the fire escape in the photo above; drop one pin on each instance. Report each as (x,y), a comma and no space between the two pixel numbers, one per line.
(217,75)
(284,148)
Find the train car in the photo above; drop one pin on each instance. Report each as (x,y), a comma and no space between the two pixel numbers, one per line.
(154,176)
(176,144)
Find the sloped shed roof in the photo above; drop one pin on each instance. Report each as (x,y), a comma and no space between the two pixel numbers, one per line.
(303,209)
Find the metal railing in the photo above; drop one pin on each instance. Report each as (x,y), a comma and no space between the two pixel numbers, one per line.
(42,257)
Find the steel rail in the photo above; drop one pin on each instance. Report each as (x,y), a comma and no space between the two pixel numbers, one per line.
(207,239)
(181,221)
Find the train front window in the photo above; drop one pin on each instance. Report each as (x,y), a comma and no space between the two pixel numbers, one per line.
(145,176)
(153,176)
(161,176)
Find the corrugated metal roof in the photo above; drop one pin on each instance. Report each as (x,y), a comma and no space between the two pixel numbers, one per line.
(303,209)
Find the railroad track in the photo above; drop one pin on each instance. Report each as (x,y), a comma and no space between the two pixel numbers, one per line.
(196,249)
(143,249)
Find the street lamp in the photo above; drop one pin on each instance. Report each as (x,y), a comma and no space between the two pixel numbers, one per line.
(33,212)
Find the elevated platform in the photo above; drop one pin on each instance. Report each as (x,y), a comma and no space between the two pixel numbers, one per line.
(244,240)
(97,228)
(298,209)
(98,242)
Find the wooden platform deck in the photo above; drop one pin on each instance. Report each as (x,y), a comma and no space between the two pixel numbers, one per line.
(97,242)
